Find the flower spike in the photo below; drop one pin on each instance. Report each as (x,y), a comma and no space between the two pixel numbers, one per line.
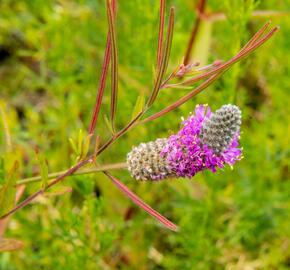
(206,141)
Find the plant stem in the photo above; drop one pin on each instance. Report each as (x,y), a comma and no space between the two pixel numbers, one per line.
(167,223)
(100,168)
(215,73)
(165,59)
(42,190)
(102,83)
(200,10)
(114,63)
(245,51)
(161,32)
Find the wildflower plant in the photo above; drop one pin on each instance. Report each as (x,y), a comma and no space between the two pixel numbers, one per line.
(206,140)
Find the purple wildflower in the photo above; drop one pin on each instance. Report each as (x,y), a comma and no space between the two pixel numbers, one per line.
(186,152)
(206,141)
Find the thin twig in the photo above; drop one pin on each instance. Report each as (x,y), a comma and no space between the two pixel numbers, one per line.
(259,34)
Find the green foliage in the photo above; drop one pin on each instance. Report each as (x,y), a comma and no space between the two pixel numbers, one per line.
(7,189)
(139,105)
(50,61)
(43,168)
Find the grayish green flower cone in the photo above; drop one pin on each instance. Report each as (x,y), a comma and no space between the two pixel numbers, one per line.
(219,130)
(146,163)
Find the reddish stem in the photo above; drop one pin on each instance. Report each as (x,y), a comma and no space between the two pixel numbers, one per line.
(114,64)
(215,73)
(200,11)
(102,83)
(160,33)
(217,67)
(74,168)
(167,223)
(247,49)
(101,87)
(165,59)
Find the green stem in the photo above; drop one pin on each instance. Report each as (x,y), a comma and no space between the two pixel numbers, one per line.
(100,168)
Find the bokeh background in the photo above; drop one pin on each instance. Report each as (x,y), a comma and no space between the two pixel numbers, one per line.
(50,61)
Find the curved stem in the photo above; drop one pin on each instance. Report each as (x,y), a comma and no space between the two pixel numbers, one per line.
(100,168)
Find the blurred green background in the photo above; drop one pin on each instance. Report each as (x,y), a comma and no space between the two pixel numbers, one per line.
(50,62)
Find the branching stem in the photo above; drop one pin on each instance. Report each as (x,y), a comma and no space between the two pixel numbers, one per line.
(90,170)
(210,77)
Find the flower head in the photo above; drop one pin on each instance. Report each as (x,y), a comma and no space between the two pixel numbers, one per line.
(206,141)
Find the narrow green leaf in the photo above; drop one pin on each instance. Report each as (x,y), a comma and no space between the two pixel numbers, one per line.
(8,190)
(139,106)
(86,145)
(8,140)
(2,171)
(108,124)
(73,145)
(43,168)
(80,142)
